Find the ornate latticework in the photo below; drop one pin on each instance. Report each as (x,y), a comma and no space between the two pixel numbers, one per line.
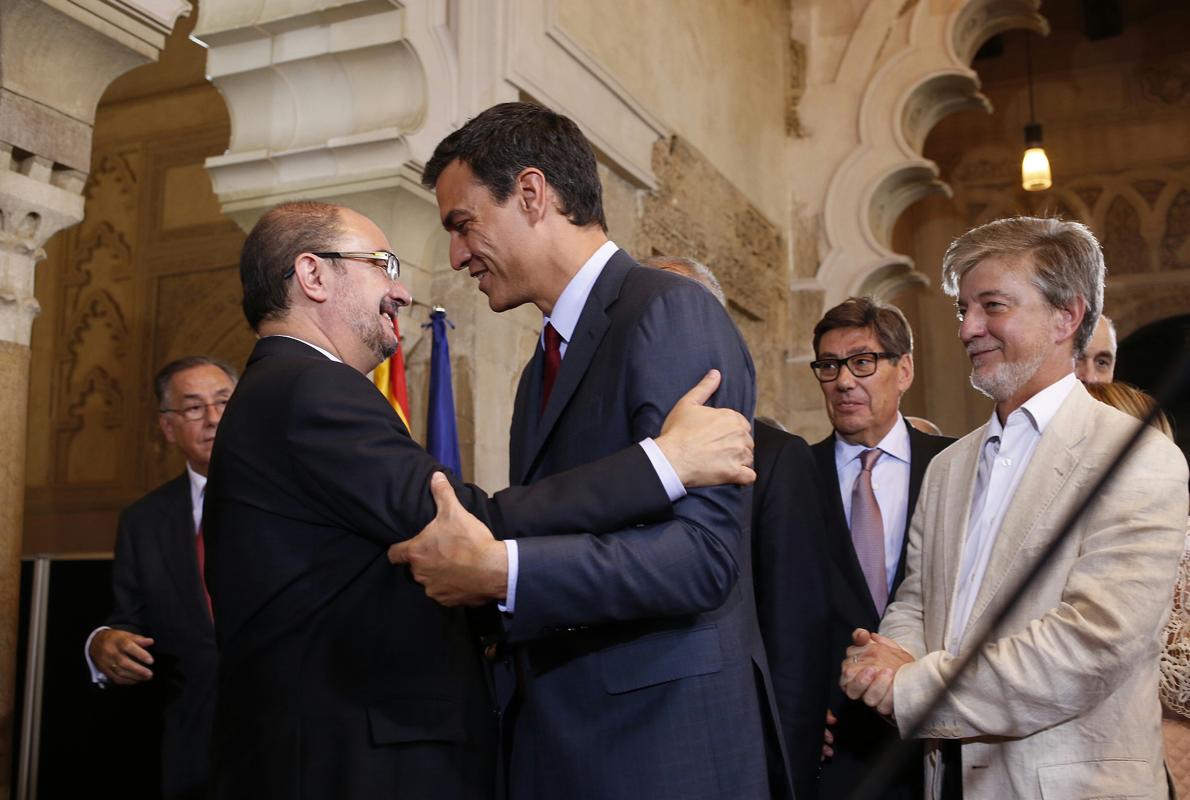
(1175,654)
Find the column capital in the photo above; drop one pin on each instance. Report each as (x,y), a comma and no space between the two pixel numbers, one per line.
(57,57)
(36,201)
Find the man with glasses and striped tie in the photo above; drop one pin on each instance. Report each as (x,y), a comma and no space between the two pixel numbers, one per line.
(871,468)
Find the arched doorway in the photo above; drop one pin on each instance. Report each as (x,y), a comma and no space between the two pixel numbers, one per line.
(1147,358)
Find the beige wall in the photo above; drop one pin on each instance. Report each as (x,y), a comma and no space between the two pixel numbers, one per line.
(717,72)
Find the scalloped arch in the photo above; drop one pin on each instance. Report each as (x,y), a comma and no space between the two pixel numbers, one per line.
(909,92)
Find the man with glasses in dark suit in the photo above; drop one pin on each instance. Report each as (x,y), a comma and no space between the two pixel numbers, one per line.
(160,626)
(870,468)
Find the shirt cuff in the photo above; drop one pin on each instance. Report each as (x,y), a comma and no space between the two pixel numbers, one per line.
(514,563)
(665,471)
(96,676)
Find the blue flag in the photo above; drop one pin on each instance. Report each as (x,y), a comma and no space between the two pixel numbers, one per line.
(442,434)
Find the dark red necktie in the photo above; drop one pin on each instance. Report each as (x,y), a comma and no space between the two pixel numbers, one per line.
(553,363)
(201,551)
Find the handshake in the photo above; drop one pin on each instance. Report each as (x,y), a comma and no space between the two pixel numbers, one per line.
(870,667)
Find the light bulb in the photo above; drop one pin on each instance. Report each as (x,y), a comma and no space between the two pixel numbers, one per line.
(1035,170)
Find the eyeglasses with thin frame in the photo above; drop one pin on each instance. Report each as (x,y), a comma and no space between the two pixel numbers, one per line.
(193,412)
(392,264)
(861,365)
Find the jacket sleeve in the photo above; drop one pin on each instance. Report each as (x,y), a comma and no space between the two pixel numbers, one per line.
(128,600)
(350,451)
(684,566)
(1058,666)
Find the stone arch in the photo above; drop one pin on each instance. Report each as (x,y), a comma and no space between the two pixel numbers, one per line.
(907,89)
(1145,305)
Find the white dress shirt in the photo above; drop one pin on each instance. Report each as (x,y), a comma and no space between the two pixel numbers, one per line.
(890,482)
(564,319)
(1007,450)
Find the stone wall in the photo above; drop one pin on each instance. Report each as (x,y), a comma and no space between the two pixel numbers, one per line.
(148,276)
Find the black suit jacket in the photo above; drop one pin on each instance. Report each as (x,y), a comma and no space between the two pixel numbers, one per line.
(860,734)
(792,601)
(157,592)
(338,676)
(643,672)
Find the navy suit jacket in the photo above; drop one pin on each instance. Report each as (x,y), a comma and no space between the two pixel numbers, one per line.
(643,672)
(157,592)
(860,734)
(338,676)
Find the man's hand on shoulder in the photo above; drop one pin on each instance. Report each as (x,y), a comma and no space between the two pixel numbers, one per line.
(707,446)
(455,557)
(121,656)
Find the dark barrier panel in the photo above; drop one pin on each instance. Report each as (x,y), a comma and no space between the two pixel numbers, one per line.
(93,743)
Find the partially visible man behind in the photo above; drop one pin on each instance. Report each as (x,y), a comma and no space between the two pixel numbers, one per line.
(338,676)
(160,626)
(1061,702)
(871,469)
(1096,362)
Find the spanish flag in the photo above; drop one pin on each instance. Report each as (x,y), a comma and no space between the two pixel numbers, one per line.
(389,378)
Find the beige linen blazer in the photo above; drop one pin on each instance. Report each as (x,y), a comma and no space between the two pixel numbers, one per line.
(1062,703)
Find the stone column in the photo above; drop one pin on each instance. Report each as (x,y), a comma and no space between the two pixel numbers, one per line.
(56,60)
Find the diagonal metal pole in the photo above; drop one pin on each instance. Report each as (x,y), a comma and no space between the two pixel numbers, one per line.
(898,753)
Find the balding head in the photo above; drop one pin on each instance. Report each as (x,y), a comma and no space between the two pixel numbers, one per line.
(689,268)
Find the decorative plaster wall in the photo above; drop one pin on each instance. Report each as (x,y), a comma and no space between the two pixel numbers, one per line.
(148,276)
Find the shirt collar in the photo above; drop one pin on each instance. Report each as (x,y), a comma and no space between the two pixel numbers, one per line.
(895,443)
(198,486)
(1039,409)
(326,353)
(570,303)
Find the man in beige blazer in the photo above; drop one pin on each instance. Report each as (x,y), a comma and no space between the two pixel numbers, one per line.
(1062,702)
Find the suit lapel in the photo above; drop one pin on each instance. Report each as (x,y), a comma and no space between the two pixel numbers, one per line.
(524,418)
(176,540)
(841,548)
(580,350)
(1045,477)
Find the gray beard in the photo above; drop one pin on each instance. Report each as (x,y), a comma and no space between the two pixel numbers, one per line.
(1007,379)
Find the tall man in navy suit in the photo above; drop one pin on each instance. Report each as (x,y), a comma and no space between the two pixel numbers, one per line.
(641,671)
(160,626)
(864,363)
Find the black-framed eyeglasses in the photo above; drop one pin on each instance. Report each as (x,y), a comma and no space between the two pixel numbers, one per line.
(193,412)
(861,365)
(391,265)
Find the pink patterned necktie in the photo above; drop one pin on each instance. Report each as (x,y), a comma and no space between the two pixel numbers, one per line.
(867,531)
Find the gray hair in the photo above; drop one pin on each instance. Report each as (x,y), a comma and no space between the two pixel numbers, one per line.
(1066,258)
(692,269)
(165,374)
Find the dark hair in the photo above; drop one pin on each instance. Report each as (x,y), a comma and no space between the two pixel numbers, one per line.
(165,374)
(1064,256)
(507,138)
(276,240)
(887,322)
